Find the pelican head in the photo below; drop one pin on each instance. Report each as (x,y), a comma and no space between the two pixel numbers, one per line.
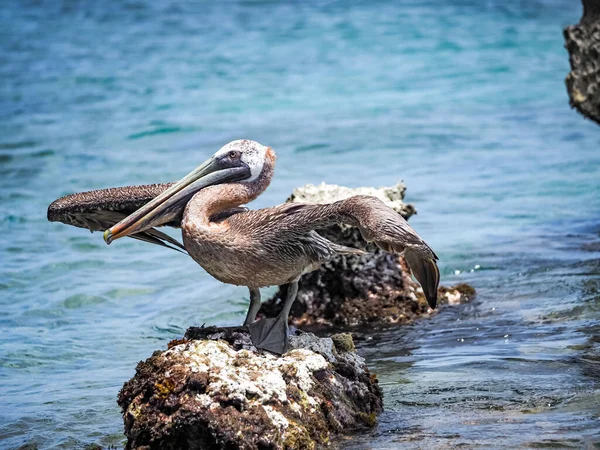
(238,161)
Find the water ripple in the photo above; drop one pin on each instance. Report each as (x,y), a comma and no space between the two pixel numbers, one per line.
(465,101)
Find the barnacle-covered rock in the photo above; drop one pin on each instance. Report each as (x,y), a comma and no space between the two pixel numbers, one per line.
(358,290)
(214,390)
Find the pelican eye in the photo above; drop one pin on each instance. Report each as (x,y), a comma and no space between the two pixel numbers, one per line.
(234,155)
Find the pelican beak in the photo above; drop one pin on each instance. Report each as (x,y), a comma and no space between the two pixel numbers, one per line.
(168,205)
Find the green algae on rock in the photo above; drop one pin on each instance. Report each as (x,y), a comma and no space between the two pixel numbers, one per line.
(213,390)
(336,294)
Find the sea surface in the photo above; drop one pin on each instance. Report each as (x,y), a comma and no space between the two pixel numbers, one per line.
(463,100)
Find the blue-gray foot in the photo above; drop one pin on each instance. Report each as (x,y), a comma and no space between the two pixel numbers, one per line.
(270,334)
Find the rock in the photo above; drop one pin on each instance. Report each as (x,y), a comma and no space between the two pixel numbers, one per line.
(583,44)
(352,291)
(214,390)
(392,196)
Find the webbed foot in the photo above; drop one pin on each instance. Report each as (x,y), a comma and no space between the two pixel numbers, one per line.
(273,334)
(270,334)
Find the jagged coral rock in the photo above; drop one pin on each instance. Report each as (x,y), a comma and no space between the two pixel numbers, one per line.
(213,390)
(583,44)
(350,291)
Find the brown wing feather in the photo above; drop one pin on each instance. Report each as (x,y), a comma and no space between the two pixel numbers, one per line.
(101,209)
(391,232)
(377,223)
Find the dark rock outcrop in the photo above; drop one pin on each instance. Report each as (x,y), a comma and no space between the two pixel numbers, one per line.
(214,390)
(583,44)
(351,291)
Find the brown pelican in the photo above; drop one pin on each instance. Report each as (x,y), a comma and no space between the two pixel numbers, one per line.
(265,247)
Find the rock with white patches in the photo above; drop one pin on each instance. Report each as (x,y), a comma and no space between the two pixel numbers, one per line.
(392,196)
(213,390)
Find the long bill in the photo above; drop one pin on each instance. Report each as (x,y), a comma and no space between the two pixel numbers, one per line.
(169,204)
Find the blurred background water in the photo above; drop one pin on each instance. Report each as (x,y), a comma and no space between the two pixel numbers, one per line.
(464,100)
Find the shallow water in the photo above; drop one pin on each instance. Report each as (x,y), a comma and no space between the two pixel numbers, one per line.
(464,100)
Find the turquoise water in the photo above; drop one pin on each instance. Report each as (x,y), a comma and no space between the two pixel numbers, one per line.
(464,100)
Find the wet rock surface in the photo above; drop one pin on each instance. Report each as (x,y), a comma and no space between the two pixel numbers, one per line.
(214,390)
(583,44)
(374,289)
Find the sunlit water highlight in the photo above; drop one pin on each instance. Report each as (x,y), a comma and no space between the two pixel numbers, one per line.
(463,100)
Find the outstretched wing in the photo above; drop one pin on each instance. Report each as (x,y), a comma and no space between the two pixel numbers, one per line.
(376,221)
(101,209)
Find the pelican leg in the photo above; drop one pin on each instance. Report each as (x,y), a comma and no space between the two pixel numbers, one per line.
(254,306)
(272,334)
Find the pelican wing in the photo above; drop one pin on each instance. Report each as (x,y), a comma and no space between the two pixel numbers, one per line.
(377,223)
(101,209)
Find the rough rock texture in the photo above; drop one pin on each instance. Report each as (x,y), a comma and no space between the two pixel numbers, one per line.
(213,390)
(372,289)
(583,45)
